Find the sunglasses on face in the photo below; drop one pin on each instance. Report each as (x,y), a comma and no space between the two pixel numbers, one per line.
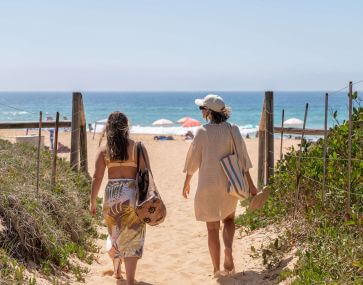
(202,108)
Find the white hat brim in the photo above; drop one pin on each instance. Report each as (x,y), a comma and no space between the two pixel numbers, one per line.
(199,102)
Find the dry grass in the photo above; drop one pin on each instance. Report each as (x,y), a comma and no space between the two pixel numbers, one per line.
(48,228)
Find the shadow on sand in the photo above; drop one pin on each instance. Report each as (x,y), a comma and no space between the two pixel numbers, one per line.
(252,277)
(123,282)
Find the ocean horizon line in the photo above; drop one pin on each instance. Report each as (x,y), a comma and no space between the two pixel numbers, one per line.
(170,91)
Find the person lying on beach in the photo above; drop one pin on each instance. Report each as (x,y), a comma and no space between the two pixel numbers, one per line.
(163,138)
(212,202)
(189,136)
(63,148)
(126,231)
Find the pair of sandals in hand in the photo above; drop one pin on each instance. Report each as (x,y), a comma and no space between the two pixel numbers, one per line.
(257,201)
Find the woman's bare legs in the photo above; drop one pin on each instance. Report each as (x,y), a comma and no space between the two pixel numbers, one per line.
(116,263)
(117,267)
(214,244)
(228,234)
(130,265)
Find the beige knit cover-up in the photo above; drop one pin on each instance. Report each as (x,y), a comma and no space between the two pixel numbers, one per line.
(211,143)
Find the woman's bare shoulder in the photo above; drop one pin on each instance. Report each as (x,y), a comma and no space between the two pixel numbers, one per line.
(202,130)
(132,143)
(235,128)
(102,150)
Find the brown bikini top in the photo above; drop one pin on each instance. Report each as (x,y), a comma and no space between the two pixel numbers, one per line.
(120,163)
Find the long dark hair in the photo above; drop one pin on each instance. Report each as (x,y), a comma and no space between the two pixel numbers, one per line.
(117,134)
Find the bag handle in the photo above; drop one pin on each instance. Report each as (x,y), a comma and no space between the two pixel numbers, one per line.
(139,147)
(138,156)
(235,150)
(234,142)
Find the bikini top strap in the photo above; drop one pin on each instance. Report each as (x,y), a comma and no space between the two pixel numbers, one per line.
(133,151)
(138,149)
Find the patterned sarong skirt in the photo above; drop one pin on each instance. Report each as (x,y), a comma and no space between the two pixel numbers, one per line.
(126,231)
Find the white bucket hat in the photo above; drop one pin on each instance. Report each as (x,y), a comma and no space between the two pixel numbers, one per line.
(212,102)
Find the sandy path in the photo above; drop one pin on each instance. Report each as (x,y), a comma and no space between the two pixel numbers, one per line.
(176,252)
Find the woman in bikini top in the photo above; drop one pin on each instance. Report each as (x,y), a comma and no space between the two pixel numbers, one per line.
(126,231)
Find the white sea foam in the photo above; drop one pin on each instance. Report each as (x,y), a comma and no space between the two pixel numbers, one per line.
(15,113)
(176,130)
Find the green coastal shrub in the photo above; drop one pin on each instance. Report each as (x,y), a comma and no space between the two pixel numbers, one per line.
(332,237)
(49,227)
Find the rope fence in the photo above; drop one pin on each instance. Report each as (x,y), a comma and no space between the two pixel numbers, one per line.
(319,182)
(267,150)
(78,134)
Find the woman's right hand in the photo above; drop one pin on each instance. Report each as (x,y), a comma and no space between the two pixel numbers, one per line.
(92,209)
(186,190)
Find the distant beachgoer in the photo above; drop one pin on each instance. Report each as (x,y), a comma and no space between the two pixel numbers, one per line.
(90,128)
(51,138)
(63,148)
(51,134)
(126,231)
(212,203)
(189,135)
(65,118)
(163,138)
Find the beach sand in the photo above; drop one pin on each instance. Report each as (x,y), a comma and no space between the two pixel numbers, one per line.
(176,252)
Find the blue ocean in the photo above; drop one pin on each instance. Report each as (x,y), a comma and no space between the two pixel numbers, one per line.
(143,108)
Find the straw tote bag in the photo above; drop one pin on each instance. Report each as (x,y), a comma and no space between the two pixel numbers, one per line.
(149,207)
(238,184)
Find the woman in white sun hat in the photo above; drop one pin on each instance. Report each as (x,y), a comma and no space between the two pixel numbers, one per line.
(212,203)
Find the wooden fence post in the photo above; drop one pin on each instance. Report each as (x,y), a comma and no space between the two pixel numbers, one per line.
(349,147)
(324,148)
(75,136)
(269,136)
(282,132)
(261,150)
(83,140)
(39,144)
(298,173)
(55,151)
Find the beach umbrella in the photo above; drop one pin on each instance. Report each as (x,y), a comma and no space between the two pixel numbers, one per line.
(293,123)
(182,120)
(191,123)
(162,122)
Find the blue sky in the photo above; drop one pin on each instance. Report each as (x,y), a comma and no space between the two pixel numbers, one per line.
(180,45)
